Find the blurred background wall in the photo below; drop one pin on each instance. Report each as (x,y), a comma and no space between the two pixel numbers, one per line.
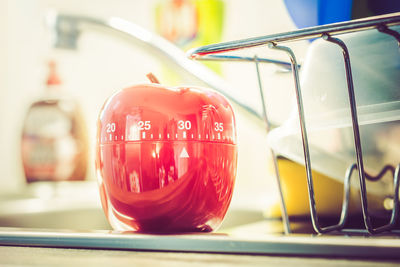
(103,65)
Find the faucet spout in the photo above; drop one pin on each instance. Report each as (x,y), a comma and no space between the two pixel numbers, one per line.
(67,29)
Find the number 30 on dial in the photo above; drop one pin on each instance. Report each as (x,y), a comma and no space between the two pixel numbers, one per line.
(184,125)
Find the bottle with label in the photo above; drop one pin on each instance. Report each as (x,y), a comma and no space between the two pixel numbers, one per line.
(54,143)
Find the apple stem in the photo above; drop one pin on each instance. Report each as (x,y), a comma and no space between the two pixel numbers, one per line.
(152,78)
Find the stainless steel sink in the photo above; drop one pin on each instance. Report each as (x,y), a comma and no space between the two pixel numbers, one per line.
(54,206)
(76,206)
(70,215)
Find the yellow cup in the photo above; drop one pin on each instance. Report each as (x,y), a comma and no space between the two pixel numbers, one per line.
(328,193)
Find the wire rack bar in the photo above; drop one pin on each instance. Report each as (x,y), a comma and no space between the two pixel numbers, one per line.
(301,34)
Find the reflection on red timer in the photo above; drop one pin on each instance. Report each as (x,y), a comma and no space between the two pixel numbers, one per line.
(166,159)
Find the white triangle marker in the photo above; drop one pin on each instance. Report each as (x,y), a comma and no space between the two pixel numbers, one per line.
(184,153)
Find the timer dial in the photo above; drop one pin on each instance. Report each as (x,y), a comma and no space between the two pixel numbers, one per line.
(166,158)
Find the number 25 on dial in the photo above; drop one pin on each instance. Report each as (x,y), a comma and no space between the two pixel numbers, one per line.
(144,125)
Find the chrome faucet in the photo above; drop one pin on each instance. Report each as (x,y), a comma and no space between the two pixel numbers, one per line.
(67,29)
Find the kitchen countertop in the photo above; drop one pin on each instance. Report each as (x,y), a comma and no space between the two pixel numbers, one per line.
(37,256)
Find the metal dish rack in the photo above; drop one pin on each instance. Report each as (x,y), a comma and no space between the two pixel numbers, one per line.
(380,23)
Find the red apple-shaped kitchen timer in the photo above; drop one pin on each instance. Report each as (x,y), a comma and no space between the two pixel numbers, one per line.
(166,158)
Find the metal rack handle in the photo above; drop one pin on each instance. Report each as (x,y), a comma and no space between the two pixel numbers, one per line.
(357,143)
(285,216)
(307,158)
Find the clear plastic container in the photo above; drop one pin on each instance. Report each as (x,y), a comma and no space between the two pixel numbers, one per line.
(375,62)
